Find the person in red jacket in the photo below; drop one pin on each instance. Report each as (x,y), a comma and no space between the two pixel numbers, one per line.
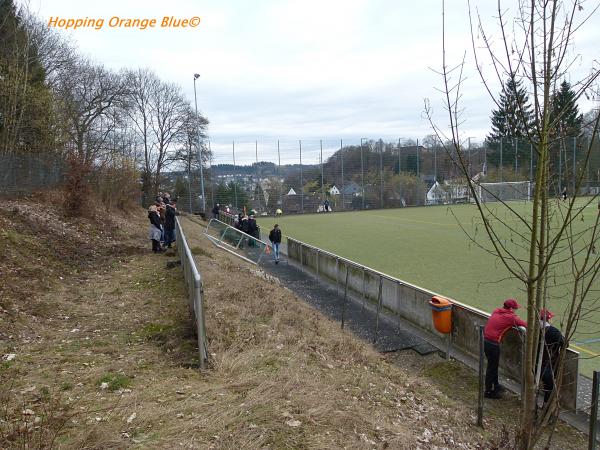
(501,320)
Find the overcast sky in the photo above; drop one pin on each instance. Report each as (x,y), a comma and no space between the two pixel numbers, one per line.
(306,69)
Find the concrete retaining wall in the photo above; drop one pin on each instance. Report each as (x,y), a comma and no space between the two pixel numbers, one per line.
(412,303)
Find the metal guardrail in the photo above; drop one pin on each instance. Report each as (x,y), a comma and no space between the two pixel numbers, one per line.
(236,238)
(193,284)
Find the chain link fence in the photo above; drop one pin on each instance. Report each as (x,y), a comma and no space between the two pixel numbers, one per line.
(320,175)
(24,174)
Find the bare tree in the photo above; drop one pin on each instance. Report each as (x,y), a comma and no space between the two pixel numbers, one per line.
(168,109)
(86,97)
(546,247)
(141,84)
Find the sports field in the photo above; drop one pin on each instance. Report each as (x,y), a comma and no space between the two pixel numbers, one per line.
(427,247)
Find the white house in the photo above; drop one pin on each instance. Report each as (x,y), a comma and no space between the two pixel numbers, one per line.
(291,192)
(334,191)
(436,194)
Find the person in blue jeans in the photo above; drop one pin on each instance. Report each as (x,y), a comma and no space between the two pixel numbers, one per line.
(275,238)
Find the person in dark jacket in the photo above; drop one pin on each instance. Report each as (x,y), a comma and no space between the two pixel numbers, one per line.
(215,211)
(553,343)
(155,229)
(252,230)
(170,213)
(501,320)
(275,238)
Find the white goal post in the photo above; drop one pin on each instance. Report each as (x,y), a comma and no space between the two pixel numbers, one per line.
(504,191)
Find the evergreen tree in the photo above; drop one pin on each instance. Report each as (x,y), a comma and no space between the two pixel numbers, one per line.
(514,117)
(565,117)
(24,97)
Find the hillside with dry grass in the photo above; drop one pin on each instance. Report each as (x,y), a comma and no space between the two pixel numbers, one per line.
(99,352)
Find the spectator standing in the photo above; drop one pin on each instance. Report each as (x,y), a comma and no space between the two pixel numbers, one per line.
(501,320)
(553,343)
(155,230)
(170,213)
(160,208)
(252,229)
(275,238)
(215,211)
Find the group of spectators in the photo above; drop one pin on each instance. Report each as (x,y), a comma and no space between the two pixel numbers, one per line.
(247,224)
(502,320)
(162,222)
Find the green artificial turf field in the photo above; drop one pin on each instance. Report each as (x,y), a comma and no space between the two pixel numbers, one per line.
(427,247)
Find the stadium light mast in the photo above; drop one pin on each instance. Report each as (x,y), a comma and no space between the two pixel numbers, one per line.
(196,76)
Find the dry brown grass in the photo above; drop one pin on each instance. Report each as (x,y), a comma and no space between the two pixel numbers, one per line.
(281,375)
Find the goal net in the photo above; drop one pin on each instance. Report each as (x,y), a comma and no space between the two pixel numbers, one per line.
(504,191)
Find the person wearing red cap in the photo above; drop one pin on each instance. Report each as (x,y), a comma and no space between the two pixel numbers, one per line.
(553,342)
(501,320)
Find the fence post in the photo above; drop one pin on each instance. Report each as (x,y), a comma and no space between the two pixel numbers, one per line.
(364,298)
(318,270)
(342,155)
(337,275)
(594,412)
(301,180)
(378,310)
(381,169)
(345,297)
(199,307)
(362,174)
(523,351)
(481,379)
(234,179)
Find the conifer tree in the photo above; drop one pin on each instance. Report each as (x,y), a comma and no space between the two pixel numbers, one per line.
(565,117)
(514,116)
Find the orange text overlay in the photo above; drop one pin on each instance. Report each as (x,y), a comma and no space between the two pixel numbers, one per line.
(72,23)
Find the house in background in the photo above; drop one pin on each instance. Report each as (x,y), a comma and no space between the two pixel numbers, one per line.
(436,195)
(334,191)
(352,189)
(291,192)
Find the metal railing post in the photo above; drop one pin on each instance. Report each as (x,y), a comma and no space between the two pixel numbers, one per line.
(345,297)
(594,412)
(378,310)
(481,379)
(364,298)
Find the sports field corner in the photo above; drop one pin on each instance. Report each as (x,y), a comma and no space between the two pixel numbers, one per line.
(429,247)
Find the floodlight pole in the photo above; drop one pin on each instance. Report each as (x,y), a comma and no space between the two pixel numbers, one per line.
(196,76)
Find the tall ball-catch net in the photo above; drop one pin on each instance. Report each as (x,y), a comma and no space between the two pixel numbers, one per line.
(504,191)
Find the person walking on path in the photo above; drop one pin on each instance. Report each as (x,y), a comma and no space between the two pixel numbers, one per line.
(501,320)
(275,238)
(553,343)
(252,230)
(170,213)
(215,211)
(155,229)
